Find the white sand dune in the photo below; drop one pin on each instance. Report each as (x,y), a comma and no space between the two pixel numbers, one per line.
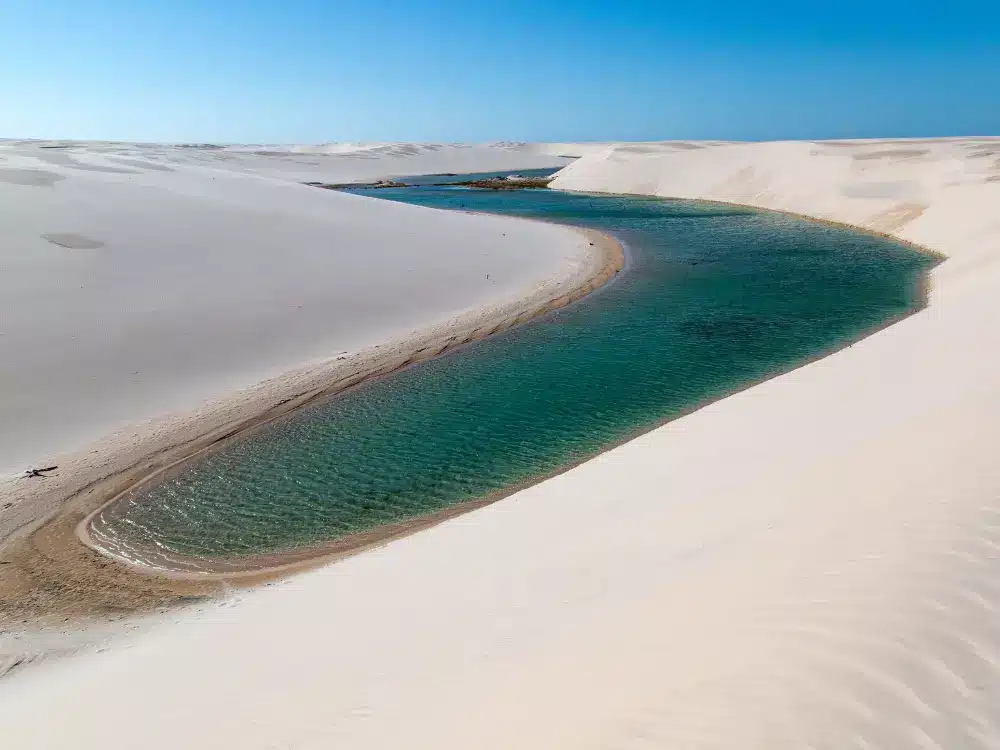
(330,162)
(140,280)
(813,562)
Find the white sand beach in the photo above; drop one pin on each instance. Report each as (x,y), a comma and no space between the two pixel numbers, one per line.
(813,562)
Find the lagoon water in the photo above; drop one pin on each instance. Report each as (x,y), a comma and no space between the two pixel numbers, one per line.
(714,298)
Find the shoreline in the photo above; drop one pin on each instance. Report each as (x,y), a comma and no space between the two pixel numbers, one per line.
(48,568)
(69,527)
(277,565)
(915,246)
(255,569)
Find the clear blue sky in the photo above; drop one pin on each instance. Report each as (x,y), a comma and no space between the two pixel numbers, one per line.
(472,70)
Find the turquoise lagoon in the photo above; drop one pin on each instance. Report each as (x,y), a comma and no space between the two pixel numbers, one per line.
(713,298)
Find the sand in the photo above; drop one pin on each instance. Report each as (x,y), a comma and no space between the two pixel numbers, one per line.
(145,285)
(809,563)
(130,291)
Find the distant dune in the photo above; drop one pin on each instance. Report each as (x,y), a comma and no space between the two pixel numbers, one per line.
(328,162)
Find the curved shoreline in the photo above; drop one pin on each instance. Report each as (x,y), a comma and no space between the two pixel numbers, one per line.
(252,569)
(52,568)
(211,576)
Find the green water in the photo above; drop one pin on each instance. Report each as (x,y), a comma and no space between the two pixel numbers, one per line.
(713,298)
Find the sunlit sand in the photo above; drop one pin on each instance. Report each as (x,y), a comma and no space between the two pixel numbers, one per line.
(811,562)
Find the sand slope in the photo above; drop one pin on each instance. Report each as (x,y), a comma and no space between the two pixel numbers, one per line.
(329,162)
(139,280)
(810,563)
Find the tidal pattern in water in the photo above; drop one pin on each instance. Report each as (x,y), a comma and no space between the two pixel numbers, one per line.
(715,298)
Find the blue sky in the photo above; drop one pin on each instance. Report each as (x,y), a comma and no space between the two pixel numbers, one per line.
(442,70)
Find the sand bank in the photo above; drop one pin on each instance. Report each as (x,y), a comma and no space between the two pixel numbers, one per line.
(811,562)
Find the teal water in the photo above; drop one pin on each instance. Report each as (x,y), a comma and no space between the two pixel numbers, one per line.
(714,298)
